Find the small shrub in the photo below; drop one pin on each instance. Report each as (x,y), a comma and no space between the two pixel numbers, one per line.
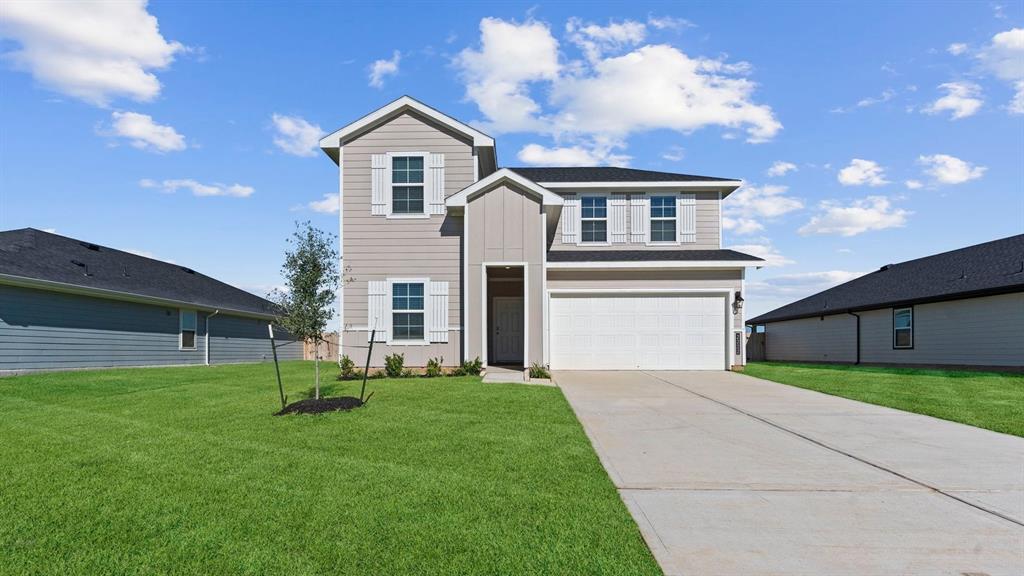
(377,374)
(408,373)
(538,371)
(393,364)
(469,368)
(434,367)
(348,368)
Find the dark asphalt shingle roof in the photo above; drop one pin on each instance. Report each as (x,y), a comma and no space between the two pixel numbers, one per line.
(39,255)
(647,256)
(609,174)
(990,268)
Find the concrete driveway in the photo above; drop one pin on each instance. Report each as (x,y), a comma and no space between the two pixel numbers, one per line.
(728,474)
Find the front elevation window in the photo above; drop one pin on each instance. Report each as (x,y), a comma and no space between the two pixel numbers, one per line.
(407,185)
(903,328)
(407,311)
(663,219)
(187,329)
(594,218)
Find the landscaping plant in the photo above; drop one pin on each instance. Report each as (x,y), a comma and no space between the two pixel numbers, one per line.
(434,367)
(348,368)
(467,368)
(393,364)
(538,371)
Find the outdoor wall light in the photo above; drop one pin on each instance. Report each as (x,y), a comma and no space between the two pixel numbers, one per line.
(737,303)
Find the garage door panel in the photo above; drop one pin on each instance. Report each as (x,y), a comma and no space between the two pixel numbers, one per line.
(624,332)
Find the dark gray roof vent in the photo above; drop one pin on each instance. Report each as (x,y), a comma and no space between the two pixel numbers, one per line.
(90,246)
(187,270)
(82,265)
(885,267)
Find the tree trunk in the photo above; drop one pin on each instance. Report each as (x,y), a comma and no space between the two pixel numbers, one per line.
(316,363)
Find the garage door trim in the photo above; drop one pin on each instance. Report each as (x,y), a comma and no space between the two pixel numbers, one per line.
(727,292)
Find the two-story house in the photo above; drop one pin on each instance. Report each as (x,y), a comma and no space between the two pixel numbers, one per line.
(446,255)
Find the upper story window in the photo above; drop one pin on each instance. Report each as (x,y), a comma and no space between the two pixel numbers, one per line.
(187,329)
(903,328)
(407,185)
(407,311)
(663,219)
(594,219)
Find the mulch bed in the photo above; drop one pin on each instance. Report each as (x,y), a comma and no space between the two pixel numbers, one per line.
(314,406)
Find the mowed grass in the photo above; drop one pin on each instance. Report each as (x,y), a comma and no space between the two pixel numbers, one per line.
(984,399)
(186,471)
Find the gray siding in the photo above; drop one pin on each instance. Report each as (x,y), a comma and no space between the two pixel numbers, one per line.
(708,230)
(376,247)
(832,339)
(52,330)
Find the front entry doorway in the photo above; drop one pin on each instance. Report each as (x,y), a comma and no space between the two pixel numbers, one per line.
(507,330)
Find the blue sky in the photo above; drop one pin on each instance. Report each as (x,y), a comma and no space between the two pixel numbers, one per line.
(185,130)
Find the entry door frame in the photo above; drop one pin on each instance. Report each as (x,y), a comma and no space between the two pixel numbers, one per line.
(485,324)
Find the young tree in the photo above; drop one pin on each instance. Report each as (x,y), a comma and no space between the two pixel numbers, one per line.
(310,271)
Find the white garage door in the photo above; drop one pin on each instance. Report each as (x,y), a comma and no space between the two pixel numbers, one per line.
(637,331)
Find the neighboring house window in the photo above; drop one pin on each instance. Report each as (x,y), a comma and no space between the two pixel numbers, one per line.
(187,329)
(594,219)
(903,328)
(407,185)
(663,219)
(407,311)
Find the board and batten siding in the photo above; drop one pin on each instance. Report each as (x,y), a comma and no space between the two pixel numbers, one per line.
(53,330)
(377,247)
(708,225)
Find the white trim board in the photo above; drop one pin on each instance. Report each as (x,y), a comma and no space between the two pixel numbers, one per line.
(463,197)
(667,264)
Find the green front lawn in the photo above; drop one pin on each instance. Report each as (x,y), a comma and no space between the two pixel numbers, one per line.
(185,471)
(983,399)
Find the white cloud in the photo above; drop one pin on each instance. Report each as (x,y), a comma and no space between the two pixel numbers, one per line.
(741,226)
(1004,57)
(946,169)
(913,184)
(537,155)
(793,287)
(871,213)
(329,204)
(1016,106)
(885,96)
(295,135)
(381,69)
(198,188)
(780,168)
(595,40)
(743,210)
(957,48)
(143,133)
(674,153)
(963,99)
(669,23)
(50,230)
(844,251)
(93,51)
(861,172)
(764,250)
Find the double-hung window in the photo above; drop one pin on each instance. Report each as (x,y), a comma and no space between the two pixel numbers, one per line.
(407,185)
(663,219)
(407,311)
(903,328)
(594,219)
(187,329)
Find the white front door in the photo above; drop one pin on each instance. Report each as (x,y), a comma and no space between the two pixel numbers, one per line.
(638,332)
(507,330)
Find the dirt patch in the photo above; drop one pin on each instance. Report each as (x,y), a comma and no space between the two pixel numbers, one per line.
(314,406)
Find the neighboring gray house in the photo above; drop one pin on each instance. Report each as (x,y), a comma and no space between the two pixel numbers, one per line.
(959,308)
(446,255)
(65,303)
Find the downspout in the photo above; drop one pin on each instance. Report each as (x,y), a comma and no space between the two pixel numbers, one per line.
(857,316)
(208,316)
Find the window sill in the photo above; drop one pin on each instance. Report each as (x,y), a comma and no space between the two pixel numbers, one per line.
(408,343)
(407,216)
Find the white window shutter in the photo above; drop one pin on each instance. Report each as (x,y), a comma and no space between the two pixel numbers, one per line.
(617,217)
(380,185)
(570,219)
(378,306)
(437,312)
(686,219)
(434,182)
(638,215)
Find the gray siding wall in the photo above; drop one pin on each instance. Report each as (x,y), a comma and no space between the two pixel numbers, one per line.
(813,339)
(52,330)
(376,247)
(708,229)
(506,225)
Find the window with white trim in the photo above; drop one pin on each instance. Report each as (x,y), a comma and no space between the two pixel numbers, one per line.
(903,328)
(407,311)
(407,185)
(594,219)
(187,329)
(663,219)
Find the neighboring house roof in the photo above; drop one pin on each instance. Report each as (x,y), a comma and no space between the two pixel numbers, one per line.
(462,197)
(650,258)
(602,174)
(330,143)
(995,267)
(35,258)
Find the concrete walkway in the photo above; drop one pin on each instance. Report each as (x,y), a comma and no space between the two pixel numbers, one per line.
(733,475)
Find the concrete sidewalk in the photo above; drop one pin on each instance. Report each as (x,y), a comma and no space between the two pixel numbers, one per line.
(728,474)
